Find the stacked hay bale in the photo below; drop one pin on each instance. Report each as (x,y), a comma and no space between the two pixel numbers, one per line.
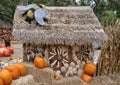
(109,62)
(25,80)
(65,41)
(6,31)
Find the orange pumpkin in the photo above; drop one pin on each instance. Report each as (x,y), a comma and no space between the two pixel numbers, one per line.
(21,67)
(90,68)
(86,77)
(1,54)
(1,82)
(39,62)
(10,49)
(14,71)
(6,52)
(2,45)
(6,77)
(57,77)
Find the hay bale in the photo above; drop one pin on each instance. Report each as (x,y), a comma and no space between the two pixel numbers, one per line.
(68,81)
(46,77)
(40,75)
(26,80)
(102,80)
(18,49)
(6,31)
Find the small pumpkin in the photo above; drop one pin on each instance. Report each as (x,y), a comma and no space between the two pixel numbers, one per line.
(21,67)
(6,52)
(14,71)
(86,78)
(39,62)
(1,82)
(10,49)
(90,68)
(6,77)
(2,45)
(1,54)
(57,77)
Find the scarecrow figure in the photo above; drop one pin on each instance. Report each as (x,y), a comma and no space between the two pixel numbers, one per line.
(37,12)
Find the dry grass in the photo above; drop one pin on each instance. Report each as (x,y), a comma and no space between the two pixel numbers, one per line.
(109,62)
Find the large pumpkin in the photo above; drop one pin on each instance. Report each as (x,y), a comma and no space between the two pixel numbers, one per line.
(1,82)
(39,62)
(86,77)
(14,71)
(90,68)
(21,67)
(6,77)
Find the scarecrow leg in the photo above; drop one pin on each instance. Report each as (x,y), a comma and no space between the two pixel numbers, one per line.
(28,20)
(24,13)
(7,43)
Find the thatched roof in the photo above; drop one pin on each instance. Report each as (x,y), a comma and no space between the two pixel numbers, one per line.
(67,25)
(3,24)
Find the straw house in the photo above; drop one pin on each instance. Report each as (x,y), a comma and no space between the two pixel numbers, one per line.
(5,31)
(66,39)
